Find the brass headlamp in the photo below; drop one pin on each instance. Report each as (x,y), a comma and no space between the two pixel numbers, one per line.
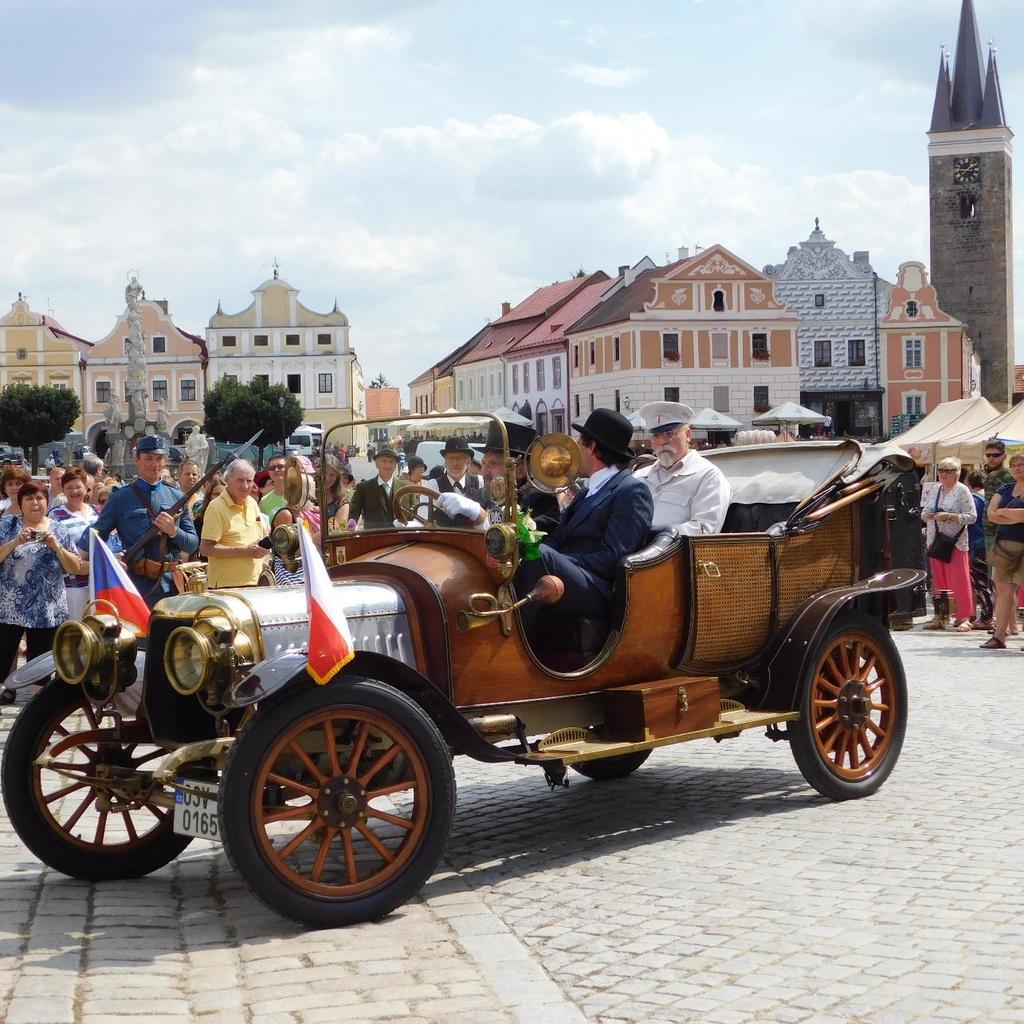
(97,653)
(204,659)
(284,542)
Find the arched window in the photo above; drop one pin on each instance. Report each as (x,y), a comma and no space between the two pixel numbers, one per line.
(719,301)
(968,206)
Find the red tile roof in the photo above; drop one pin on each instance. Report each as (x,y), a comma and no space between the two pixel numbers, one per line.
(543,300)
(630,299)
(554,327)
(498,339)
(1018,379)
(204,357)
(60,332)
(383,403)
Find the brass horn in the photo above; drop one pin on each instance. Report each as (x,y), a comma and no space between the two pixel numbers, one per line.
(553,463)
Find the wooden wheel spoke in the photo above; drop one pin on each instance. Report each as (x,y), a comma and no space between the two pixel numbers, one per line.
(875,728)
(298,787)
(67,766)
(290,813)
(852,747)
(321,854)
(60,730)
(58,793)
(879,707)
(865,743)
(398,787)
(129,826)
(160,813)
(380,764)
(81,809)
(830,742)
(391,819)
(331,743)
(875,684)
(90,715)
(820,702)
(357,748)
(826,722)
(854,656)
(311,767)
(374,840)
(350,856)
(296,841)
(870,665)
(101,826)
(830,665)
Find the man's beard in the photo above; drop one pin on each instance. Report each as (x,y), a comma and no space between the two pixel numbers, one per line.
(667,457)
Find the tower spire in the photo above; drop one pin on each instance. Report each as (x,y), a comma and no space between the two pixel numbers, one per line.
(941,121)
(968,94)
(992,114)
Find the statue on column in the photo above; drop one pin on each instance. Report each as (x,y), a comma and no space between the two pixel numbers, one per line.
(197,448)
(136,385)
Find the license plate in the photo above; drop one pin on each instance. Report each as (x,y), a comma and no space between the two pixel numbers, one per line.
(195,809)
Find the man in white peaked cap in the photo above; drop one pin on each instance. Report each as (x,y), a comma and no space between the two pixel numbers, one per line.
(691,495)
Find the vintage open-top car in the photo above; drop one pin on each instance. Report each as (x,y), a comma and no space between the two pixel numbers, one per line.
(335,802)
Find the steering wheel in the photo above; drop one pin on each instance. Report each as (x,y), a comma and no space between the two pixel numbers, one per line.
(424,514)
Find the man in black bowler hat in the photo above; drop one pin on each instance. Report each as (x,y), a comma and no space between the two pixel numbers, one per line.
(541,507)
(460,501)
(608,519)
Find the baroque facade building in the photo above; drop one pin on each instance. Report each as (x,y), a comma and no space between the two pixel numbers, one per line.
(839,301)
(707,330)
(279,339)
(970,160)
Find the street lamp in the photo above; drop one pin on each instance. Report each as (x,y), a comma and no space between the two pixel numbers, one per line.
(280,406)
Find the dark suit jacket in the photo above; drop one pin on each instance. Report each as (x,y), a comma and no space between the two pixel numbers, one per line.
(597,533)
(369,502)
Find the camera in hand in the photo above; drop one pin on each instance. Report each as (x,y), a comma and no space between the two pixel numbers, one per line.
(265,544)
(35,534)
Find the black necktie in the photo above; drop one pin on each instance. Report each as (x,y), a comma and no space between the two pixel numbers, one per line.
(460,488)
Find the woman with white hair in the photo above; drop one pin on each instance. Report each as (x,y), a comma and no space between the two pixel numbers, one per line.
(948,509)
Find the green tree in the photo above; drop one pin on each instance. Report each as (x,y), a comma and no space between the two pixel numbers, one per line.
(234,412)
(31,415)
(380,381)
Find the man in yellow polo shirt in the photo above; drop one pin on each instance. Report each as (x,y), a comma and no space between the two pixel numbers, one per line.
(232,529)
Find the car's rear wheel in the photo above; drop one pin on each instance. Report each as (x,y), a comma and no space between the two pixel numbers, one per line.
(337,802)
(76,826)
(604,768)
(853,710)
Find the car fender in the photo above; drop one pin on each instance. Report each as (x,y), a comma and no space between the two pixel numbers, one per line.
(288,669)
(788,659)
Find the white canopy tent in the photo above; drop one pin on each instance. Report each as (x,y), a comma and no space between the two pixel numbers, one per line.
(969,445)
(788,412)
(963,416)
(711,419)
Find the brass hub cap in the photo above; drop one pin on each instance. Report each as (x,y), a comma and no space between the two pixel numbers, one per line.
(342,802)
(854,704)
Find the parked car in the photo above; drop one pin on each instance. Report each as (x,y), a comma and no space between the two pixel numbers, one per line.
(335,802)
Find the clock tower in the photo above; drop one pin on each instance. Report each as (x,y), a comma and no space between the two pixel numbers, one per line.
(970,157)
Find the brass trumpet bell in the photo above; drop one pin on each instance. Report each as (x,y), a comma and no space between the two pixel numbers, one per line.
(553,463)
(298,485)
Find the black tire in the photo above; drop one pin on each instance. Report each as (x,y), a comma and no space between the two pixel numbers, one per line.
(263,774)
(604,768)
(25,789)
(841,754)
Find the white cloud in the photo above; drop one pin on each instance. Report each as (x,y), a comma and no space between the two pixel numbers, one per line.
(594,74)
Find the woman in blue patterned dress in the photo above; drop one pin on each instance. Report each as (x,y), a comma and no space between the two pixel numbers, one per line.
(77,516)
(35,553)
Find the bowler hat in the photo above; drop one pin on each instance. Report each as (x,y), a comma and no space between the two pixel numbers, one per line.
(610,429)
(520,437)
(151,443)
(457,445)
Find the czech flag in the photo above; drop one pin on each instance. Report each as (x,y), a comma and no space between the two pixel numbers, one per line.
(108,581)
(330,640)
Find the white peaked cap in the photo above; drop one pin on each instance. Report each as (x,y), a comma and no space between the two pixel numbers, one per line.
(665,414)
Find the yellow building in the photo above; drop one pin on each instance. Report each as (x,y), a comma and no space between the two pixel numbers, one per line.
(35,349)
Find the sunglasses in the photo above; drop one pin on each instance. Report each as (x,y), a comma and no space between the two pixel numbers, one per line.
(995,455)
(947,470)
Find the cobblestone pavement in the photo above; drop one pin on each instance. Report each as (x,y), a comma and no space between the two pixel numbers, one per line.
(713,885)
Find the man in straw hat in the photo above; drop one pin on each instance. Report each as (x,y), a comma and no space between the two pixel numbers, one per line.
(691,494)
(608,519)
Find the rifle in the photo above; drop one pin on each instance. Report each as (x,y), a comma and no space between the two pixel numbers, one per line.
(179,506)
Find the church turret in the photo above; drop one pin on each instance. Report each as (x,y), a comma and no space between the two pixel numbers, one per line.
(992,115)
(968,94)
(940,111)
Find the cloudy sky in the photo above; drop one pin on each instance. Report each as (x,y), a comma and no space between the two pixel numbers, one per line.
(423,161)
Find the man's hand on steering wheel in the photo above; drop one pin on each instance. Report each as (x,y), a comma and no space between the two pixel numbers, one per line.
(422,513)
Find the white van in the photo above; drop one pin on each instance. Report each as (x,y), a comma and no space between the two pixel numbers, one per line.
(305,441)
(430,452)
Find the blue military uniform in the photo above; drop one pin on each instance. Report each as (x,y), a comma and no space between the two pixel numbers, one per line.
(125,513)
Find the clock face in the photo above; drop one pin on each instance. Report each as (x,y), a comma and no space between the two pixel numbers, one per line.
(967,170)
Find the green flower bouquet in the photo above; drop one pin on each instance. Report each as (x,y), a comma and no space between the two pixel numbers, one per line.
(529,537)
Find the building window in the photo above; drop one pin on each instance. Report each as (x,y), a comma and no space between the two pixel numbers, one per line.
(670,347)
(576,360)
(823,353)
(618,403)
(127,345)
(913,405)
(591,353)
(159,345)
(577,397)
(761,399)
(855,352)
(490,386)
(968,207)
(264,377)
(323,339)
(671,394)
(188,390)
(23,353)
(526,378)
(159,391)
(760,346)
(291,339)
(720,398)
(819,301)
(229,341)
(462,395)
(615,348)
(58,385)
(260,340)
(912,353)
(720,347)
(591,401)
(471,389)
(294,382)
(912,309)
(103,391)
(540,374)
(515,379)
(556,372)
(325,383)
(718,301)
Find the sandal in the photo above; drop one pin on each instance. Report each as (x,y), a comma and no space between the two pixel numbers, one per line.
(964,626)
(982,624)
(934,624)
(993,643)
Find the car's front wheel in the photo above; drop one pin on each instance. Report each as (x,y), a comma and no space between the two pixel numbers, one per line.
(337,802)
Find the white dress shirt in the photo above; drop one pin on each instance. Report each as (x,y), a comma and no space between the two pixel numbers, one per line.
(690,498)
(599,479)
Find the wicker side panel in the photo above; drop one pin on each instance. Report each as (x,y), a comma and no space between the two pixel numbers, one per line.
(815,561)
(732,611)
